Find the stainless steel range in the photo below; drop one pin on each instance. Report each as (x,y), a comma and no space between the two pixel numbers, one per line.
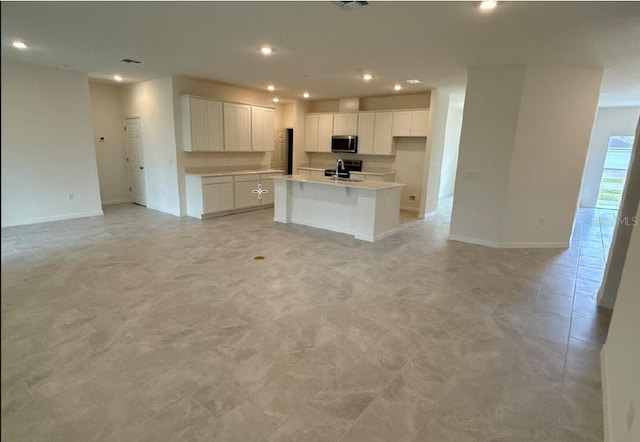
(344,171)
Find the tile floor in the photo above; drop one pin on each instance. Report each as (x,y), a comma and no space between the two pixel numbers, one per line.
(142,326)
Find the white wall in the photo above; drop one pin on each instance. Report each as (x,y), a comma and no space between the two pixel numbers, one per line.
(451,145)
(610,121)
(490,116)
(523,147)
(555,120)
(106,114)
(152,101)
(47,146)
(439,109)
(621,353)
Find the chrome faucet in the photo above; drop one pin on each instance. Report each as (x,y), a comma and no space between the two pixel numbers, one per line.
(338,163)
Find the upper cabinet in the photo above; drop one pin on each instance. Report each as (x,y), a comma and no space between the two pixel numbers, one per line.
(410,123)
(374,133)
(345,124)
(382,138)
(262,126)
(201,125)
(237,127)
(318,132)
(214,126)
(366,130)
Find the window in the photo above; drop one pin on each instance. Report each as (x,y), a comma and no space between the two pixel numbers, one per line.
(614,173)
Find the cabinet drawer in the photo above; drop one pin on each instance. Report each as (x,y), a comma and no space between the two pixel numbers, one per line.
(217,179)
(247,177)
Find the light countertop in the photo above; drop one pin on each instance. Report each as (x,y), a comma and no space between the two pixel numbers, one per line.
(209,171)
(327,181)
(372,171)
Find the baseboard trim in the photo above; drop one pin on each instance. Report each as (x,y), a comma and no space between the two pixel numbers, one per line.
(509,245)
(48,219)
(409,209)
(605,393)
(163,210)
(116,201)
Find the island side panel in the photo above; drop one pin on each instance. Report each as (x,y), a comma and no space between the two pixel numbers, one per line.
(281,190)
(323,207)
(365,216)
(387,214)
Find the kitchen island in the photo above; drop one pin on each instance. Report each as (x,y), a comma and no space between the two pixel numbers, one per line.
(368,210)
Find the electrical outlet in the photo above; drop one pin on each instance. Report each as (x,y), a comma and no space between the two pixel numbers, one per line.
(70,196)
(412,197)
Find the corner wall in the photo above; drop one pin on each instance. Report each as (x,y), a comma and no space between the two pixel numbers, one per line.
(49,169)
(525,136)
(152,101)
(620,355)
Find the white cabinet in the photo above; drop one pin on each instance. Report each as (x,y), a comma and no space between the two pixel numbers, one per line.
(374,133)
(366,131)
(262,127)
(237,127)
(267,184)
(244,185)
(325,131)
(382,138)
(345,124)
(317,132)
(201,125)
(253,190)
(311,133)
(410,123)
(208,195)
(217,197)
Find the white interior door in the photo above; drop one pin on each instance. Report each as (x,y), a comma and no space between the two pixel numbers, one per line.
(135,161)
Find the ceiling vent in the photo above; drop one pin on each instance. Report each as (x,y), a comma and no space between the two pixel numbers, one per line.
(130,61)
(350,6)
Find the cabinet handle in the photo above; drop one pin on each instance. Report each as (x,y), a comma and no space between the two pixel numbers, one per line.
(141,168)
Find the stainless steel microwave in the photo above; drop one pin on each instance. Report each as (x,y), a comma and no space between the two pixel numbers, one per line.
(344,143)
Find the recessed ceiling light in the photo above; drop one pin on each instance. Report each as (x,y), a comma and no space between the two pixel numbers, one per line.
(271,87)
(367,77)
(117,77)
(397,87)
(487,6)
(306,95)
(413,81)
(19,45)
(276,100)
(266,50)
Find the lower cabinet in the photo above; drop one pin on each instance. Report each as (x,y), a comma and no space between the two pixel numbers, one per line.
(244,187)
(211,196)
(217,197)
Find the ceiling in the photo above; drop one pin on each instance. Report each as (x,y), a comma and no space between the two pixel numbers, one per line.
(323,49)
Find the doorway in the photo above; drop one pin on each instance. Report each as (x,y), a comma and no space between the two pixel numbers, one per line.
(289,151)
(135,161)
(614,174)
